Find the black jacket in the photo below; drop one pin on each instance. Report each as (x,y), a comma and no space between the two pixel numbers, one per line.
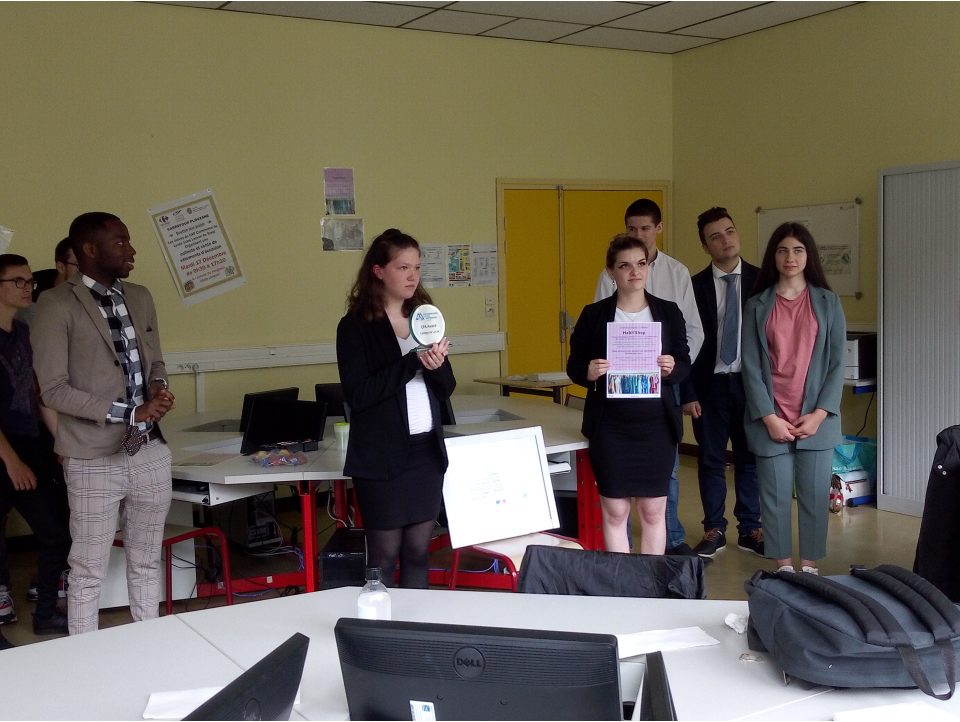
(704,290)
(589,341)
(373,375)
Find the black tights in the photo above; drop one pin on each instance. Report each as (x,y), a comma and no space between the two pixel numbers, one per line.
(410,544)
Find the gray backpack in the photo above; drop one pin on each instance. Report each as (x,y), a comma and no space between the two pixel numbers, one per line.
(883,627)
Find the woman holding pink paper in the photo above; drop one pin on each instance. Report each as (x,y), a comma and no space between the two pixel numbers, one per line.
(633,441)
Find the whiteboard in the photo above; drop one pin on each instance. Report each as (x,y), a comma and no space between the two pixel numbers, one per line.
(497,486)
(836,229)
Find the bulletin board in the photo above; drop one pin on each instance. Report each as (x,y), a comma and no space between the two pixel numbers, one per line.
(836,229)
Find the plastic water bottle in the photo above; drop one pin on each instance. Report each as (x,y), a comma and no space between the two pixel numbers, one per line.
(374,600)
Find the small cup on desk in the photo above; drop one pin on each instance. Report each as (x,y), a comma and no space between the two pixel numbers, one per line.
(342,431)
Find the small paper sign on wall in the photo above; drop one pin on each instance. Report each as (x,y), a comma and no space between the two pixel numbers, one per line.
(196,247)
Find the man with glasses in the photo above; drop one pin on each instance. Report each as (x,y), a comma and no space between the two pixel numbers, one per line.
(100,367)
(26,451)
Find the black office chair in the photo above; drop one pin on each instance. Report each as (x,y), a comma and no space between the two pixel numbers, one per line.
(332,394)
(554,570)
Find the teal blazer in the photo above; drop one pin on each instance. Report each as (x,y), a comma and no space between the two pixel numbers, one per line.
(824,384)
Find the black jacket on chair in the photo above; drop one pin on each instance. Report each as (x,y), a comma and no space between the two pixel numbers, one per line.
(938,545)
(374,375)
(589,341)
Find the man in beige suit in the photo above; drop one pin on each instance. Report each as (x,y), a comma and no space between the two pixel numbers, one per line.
(98,361)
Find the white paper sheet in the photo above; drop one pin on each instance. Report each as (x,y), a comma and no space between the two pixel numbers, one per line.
(663,640)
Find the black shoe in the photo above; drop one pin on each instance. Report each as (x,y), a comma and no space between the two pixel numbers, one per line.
(680,550)
(752,541)
(713,541)
(56,623)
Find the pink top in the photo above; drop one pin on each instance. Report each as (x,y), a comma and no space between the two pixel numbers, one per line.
(791,334)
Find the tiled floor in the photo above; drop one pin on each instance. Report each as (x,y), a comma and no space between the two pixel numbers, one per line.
(861,535)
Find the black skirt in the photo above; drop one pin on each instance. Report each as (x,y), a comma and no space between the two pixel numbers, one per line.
(632,451)
(413,496)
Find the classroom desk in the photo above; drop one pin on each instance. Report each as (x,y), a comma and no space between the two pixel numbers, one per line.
(523,385)
(110,674)
(213,457)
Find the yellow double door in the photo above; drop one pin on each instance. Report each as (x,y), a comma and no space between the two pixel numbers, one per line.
(554,245)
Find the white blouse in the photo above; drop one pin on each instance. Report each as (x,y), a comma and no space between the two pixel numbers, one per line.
(419,415)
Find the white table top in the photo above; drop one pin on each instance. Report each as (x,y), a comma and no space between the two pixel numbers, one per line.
(108,674)
(214,456)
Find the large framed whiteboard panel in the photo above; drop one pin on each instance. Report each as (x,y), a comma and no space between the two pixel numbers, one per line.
(836,229)
(497,486)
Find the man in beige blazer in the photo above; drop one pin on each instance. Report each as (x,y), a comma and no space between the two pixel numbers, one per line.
(99,365)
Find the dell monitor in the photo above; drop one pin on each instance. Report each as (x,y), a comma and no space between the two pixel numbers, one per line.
(411,670)
(656,699)
(248,400)
(266,691)
(276,421)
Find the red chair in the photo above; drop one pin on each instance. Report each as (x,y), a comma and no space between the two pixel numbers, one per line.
(174,534)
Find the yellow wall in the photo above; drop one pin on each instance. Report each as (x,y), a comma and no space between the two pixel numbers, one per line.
(810,112)
(121,106)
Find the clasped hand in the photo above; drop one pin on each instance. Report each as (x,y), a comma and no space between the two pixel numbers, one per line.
(432,358)
(160,401)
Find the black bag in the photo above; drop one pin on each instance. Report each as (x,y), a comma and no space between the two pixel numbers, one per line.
(883,627)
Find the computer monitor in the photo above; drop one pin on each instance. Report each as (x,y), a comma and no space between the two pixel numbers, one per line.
(656,699)
(409,670)
(290,393)
(274,421)
(266,691)
(497,486)
(332,395)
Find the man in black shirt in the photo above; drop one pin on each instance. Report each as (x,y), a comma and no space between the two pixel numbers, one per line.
(25,450)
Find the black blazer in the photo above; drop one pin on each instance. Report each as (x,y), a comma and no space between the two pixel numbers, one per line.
(705,292)
(589,341)
(374,375)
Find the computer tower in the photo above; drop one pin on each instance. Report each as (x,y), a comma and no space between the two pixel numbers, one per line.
(249,523)
(343,559)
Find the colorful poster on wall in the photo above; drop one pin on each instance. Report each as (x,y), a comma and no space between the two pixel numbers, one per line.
(196,247)
(338,189)
(458,265)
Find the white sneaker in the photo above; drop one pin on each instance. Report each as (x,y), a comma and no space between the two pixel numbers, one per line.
(8,615)
(786,568)
(810,570)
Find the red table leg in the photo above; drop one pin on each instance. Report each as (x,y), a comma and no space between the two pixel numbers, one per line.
(308,511)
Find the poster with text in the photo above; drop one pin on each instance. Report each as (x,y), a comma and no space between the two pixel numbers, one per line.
(196,247)
(458,265)
(632,350)
(338,190)
(341,234)
(484,264)
(433,265)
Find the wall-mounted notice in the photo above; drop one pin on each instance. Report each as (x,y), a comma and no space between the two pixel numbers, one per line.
(6,235)
(341,234)
(484,264)
(196,247)
(836,229)
(338,189)
(457,265)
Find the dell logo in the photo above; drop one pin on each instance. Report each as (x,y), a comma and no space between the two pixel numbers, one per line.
(468,662)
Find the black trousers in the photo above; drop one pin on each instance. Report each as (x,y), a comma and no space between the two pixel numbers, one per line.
(40,508)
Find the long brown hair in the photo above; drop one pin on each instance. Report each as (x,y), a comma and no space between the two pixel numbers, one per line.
(366,296)
(812,272)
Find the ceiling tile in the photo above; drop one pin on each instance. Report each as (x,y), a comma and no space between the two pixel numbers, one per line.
(369,13)
(542,30)
(585,13)
(672,15)
(760,17)
(634,40)
(448,21)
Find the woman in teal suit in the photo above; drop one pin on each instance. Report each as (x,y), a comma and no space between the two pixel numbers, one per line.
(793,346)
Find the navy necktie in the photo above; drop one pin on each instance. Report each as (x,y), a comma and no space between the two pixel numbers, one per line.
(731,314)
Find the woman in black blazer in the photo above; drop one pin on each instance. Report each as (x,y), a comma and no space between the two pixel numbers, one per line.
(633,442)
(395,391)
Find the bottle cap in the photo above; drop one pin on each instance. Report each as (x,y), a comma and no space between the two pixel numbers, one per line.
(373,574)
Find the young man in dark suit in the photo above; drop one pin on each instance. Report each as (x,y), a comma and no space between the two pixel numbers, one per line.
(713,396)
